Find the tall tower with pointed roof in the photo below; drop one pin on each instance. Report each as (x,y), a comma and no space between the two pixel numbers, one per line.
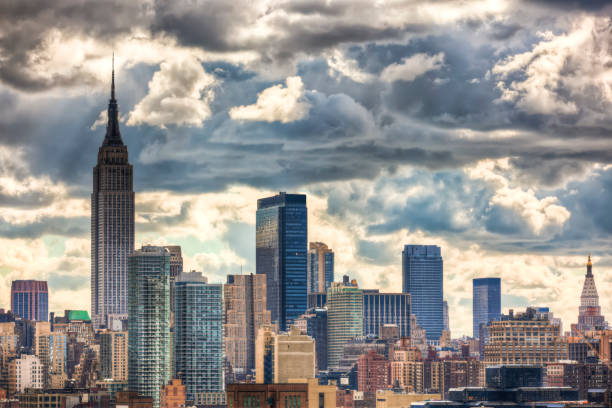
(112,223)
(589,312)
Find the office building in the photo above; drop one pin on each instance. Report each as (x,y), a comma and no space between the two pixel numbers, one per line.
(30,299)
(297,393)
(281,254)
(524,338)
(149,322)
(174,395)
(112,223)
(579,376)
(486,300)
(344,317)
(320,267)
(51,349)
(422,273)
(395,399)
(198,334)
(589,312)
(244,314)
(280,357)
(314,324)
(317,300)
(445,318)
(114,355)
(385,308)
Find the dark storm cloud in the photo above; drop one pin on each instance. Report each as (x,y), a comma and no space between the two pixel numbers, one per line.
(59,225)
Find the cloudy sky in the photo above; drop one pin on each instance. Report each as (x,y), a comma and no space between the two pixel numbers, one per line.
(480,126)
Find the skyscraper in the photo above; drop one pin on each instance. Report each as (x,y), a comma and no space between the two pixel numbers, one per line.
(486,299)
(422,273)
(385,308)
(344,317)
(176,268)
(281,249)
(320,267)
(149,322)
(198,334)
(112,223)
(30,299)
(589,312)
(244,313)
(114,355)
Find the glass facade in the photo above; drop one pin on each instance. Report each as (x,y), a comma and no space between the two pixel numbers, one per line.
(149,321)
(385,308)
(344,318)
(281,254)
(30,299)
(486,302)
(422,273)
(320,267)
(198,334)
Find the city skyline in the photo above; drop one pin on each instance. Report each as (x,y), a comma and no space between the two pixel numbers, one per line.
(508,173)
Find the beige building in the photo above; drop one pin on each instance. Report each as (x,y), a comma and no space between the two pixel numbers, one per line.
(524,338)
(114,355)
(408,374)
(51,350)
(9,340)
(318,395)
(25,372)
(391,399)
(280,357)
(245,312)
(316,267)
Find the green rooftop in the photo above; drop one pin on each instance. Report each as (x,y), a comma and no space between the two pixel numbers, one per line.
(78,315)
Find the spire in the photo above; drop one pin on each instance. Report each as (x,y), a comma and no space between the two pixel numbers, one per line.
(113,135)
(589,267)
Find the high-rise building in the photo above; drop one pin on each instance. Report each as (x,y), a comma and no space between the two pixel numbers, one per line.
(112,223)
(244,313)
(176,268)
(589,312)
(114,355)
(285,356)
(281,252)
(51,350)
(422,272)
(385,308)
(314,322)
(445,317)
(149,321)
(30,299)
(198,334)
(524,338)
(320,267)
(344,317)
(486,300)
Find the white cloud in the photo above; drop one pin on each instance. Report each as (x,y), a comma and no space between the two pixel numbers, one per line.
(563,73)
(540,214)
(101,120)
(179,94)
(339,65)
(412,67)
(276,104)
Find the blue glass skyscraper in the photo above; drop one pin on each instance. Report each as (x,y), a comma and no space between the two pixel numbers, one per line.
(486,302)
(422,273)
(198,334)
(385,308)
(281,254)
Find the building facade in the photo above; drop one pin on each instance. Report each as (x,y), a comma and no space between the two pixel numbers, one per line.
(30,299)
(524,338)
(281,357)
(486,302)
(24,372)
(149,322)
(112,223)
(422,274)
(320,267)
(245,312)
(281,254)
(385,308)
(344,317)
(372,372)
(114,355)
(198,334)
(176,268)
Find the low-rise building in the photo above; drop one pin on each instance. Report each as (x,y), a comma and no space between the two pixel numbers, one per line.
(394,399)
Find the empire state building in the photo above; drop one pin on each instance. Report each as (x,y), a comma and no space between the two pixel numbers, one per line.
(112,223)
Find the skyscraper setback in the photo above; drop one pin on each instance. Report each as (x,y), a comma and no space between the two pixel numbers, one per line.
(589,312)
(422,272)
(486,299)
(112,223)
(281,248)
